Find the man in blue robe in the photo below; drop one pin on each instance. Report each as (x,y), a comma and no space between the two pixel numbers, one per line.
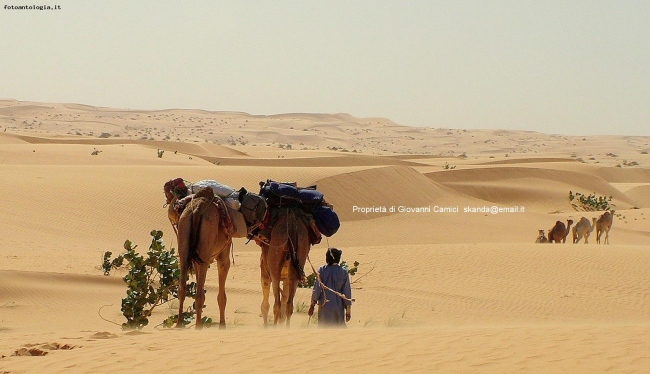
(336,310)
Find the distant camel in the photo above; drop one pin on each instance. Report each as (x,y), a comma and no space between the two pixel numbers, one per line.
(541,238)
(202,238)
(604,224)
(559,232)
(283,259)
(583,229)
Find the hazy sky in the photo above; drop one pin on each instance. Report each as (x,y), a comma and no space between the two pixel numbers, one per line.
(569,67)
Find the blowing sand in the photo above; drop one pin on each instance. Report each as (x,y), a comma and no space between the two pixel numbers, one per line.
(455,289)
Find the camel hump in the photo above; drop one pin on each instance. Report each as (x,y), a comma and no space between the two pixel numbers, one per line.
(206,193)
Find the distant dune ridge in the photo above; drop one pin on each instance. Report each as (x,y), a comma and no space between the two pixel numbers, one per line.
(443,284)
(307,131)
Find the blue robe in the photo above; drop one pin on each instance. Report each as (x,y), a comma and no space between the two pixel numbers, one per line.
(332,312)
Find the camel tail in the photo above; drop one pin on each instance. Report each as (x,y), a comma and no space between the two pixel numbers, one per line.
(189,229)
(199,205)
(195,237)
(293,244)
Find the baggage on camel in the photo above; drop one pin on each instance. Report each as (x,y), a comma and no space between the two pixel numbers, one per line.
(227,193)
(253,207)
(308,199)
(241,229)
(245,211)
(327,220)
(219,189)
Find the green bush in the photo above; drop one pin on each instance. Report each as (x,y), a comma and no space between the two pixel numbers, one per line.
(151,281)
(591,202)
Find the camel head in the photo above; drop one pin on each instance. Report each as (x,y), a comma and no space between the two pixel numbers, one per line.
(175,188)
(569,223)
(168,195)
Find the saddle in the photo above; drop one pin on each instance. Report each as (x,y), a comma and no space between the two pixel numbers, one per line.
(224,217)
(264,231)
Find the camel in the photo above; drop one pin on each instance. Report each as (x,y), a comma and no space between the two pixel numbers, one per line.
(604,224)
(583,229)
(202,238)
(541,238)
(559,232)
(283,260)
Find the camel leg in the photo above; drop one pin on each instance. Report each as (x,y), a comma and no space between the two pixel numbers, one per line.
(266,287)
(223,266)
(287,306)
(275,261)
(292,287)
(277,308)
(182,291)
(199,300)
(301,240)
(184,264)
(606,236)
(275,272)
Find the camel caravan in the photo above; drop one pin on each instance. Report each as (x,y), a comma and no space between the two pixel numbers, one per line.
(582,229)
(283,219)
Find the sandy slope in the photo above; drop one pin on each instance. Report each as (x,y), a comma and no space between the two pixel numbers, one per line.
(436,291)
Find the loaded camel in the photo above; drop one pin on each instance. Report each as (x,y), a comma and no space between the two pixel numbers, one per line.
(204,234)
(559,232)
(283,259)
(604,224)
(583,229)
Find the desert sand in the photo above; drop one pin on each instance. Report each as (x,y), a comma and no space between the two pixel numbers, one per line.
(462,290)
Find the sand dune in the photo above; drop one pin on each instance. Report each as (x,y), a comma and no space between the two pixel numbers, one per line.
(376,190)
(640,196)
(541,189)
(440,290)
(310,161)
(528,160)
(621,175)
(201,150)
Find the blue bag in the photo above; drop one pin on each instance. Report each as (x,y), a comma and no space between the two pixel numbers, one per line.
(309,196)
(327,220)
(284,190)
